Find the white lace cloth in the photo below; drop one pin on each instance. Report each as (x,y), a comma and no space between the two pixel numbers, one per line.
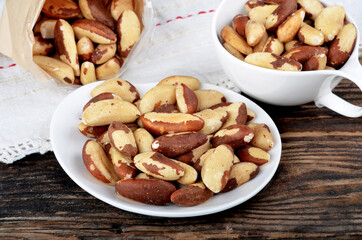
(181,44)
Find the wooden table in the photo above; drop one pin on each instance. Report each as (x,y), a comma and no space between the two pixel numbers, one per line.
(315,193)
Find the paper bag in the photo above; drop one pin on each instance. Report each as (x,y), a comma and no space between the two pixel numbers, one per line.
(17,38)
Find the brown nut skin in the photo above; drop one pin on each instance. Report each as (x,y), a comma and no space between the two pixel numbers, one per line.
(191,195)
(100,97)
(253,154)
(103,139)
(175,144)
(122,138)
(119,6)
(132,126)
(216,168)
(56,68)
(97,163)
(310,36)
(106,111)
(95,31)
(208,98)
(292,44)
(103,52)
(85,49)
(65,44)
(144,176)
(190,175)
(262,136)
(42,46)
(280,14)
(233,51)
(157,96)
(186,99)
(342,47)
(254,32)
(260,46)
(237,114)
(253,4)
(46,28)
(148,191)
(290,27)
(214,119)
(235,40)
(95,10)
(312,7)
(143,139)
(303,53)
(273,45)
(330,21)
(191,82)
(273,61)
(159,166)
(64,9)
(109,69)
(234,135)
(106,3)
(118,86)
(162,123)
(91,132)
(241,172)
(87,73)
(250,115)
(260,13)
(239,23)
(166,108)
(317,62)
(123,164)
(129,31)
(200,161)
(192,156)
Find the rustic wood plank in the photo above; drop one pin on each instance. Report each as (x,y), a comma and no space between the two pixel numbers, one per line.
(315,193)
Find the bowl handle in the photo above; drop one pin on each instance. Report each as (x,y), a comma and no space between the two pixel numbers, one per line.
(328,99)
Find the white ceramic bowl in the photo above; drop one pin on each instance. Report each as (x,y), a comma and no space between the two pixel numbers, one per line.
(67,143)
(281,87)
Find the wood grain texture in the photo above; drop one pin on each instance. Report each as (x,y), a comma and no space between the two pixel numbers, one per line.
(315,193)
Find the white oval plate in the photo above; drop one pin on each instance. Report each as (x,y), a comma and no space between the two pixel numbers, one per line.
(67,143)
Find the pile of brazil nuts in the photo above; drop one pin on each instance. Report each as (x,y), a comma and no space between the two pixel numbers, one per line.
(291,35)
(79,42)
(176,144)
